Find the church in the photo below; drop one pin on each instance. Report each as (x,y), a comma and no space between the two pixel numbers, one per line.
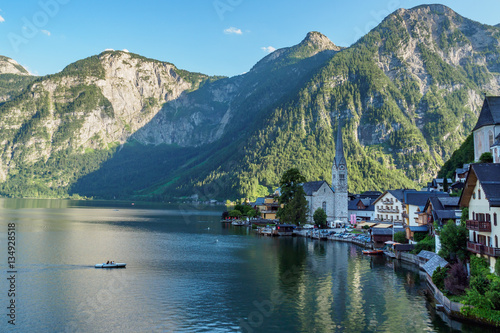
(333,200)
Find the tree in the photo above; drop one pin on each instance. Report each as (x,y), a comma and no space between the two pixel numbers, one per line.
(456,280)
(400,237)
(235,213)
(292,197)
(453,241)
(486,157)
(445,184)
(320,217)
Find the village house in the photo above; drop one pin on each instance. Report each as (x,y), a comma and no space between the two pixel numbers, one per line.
(361,210)
(389,207)
(482,196)
(440,210)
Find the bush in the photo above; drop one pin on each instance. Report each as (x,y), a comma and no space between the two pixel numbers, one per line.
(419,236)
(484,315)
(438,277)
(497,267)
(456,281)
(493,294)
(367,227)
(428,244)
(400,237)
(478,266)
(479,283)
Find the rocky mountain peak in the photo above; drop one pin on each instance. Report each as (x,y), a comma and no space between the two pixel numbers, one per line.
(319,42)
(10,66)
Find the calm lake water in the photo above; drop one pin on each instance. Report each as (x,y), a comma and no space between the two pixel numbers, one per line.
(187,273)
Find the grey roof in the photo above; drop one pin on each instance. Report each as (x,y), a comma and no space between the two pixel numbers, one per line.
(445,214)
(450,202)
(311,187)
(259,201)
(426,254)
(370,194)
(435,262)
(490,112)
(420,228)
(339,148)
(398,194)
(353,204)
(488,175)
(385,231)
(420,198)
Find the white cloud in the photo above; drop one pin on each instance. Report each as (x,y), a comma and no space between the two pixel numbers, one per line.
(268,49)
(233,30)
(2,19)
(46,32)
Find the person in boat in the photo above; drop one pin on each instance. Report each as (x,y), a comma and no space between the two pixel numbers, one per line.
(107,262)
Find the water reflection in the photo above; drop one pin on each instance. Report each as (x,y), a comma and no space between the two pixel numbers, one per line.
(186,272)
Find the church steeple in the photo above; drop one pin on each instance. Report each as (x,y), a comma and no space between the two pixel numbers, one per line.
(339,178)
(339,148)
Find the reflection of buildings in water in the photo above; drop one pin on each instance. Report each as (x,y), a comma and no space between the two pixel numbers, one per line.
(355,314)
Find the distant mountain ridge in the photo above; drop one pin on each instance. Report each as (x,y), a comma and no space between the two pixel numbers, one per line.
(120,125)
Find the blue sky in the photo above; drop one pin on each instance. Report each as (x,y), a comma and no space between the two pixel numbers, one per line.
(224,37)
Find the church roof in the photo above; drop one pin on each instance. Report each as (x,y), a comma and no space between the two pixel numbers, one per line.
(339,148)
(311,187)
(490,112)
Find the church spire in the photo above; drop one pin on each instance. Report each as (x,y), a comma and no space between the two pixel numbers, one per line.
(339,148)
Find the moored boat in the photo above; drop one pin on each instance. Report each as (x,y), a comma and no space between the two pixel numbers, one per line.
(373,251)
(114,265)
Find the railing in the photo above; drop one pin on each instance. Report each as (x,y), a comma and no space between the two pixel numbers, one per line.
(483,249)
(475,247)
(393,210)
(478,225)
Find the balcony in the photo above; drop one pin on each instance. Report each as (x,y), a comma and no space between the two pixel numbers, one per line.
(478,225)
(390,210)
(483,249)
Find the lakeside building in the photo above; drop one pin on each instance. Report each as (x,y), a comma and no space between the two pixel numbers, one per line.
(389,206)
(482,196)
(363,209)
(319,195)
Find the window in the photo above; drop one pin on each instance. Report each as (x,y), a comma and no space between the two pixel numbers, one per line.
(496,241)
(490,138)
(341,176)
(474,234)
(324,206)
(495,219)
(488,218)
(473,195)
(479,194)
(473,215)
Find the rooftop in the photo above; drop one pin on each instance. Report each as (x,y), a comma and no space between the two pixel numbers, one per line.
(490,112)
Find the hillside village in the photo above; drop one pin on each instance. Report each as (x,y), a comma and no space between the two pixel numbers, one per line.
(416,215)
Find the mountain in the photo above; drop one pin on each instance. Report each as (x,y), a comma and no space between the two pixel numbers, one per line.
(407,94)
(13,78)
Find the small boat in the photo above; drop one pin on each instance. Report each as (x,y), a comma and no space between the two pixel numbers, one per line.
(113,265)
(373,251)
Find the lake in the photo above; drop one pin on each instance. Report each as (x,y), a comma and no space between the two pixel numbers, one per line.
(186,272)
